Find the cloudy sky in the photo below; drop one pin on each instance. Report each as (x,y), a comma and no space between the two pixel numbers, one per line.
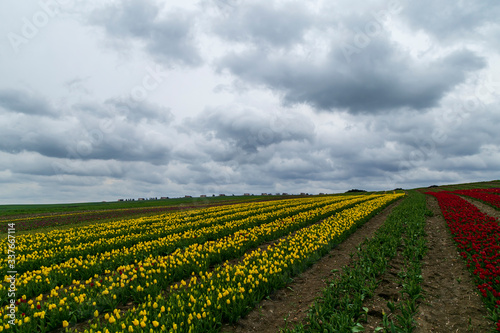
(101,100)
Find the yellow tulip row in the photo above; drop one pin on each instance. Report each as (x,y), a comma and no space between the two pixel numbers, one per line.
(154,274)
(108,240)
(41,280)
(225,293)
(75,214)
(30,243)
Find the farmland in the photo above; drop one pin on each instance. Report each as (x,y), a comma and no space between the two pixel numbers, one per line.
(30,217)
(373,262)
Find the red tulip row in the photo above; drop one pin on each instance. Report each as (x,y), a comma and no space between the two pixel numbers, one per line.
(477,236)
(491,190)
(484,195)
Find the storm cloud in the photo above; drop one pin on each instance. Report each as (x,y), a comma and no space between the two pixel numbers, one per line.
(166,36)
(143,99)
(18,101)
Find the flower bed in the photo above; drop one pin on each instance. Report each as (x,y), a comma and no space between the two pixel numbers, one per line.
(477,236)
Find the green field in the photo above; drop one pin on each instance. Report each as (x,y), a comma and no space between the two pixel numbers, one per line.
(465,186)
(12,210)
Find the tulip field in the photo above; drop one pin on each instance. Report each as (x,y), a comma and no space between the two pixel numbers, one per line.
(173,267)
(488,196)
(198,269)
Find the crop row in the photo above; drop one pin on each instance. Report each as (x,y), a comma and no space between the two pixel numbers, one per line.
(29,243)
(47,277)
(487,196)
(477,236)
(227,292)
(24,224)
(153,231)
(155,274)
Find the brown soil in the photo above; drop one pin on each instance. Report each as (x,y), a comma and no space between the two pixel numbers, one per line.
(451,302)
(292,303)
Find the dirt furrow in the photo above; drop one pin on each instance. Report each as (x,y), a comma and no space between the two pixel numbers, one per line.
(451,302)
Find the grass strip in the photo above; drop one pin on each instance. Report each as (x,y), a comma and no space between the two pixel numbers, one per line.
(414,250)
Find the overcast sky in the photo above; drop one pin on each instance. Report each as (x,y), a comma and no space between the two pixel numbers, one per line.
(101,100)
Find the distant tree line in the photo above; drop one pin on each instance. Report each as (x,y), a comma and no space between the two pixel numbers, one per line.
(355,190)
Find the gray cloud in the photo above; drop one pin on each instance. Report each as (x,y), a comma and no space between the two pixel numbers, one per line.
(261,96)
(167,37)
(268,23)
(137,111)
(353,64)
(380,78)
(451,20)
(117,131)
(13,100)
(247,131)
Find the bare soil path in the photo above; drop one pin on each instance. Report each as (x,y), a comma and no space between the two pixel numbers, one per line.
(451,302)
(293,301)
